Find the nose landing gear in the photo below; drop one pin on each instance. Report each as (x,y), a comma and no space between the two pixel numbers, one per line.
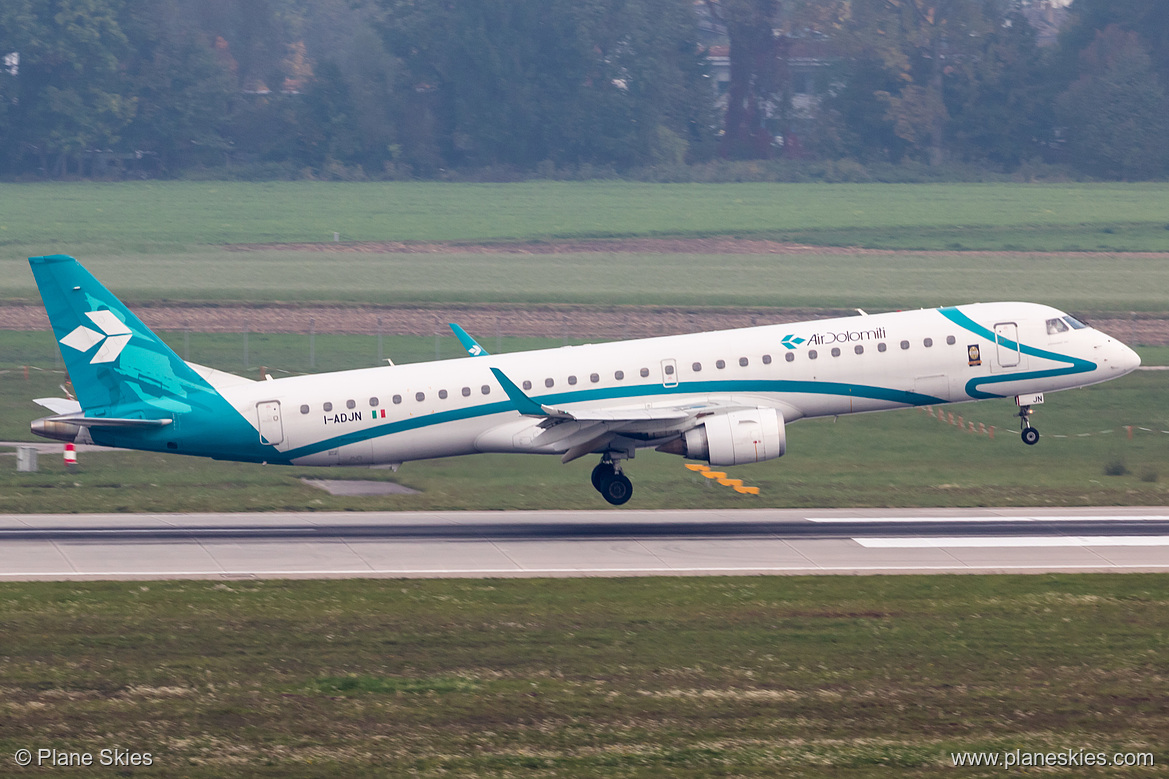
(1030,435)
(608,480)
(1024,402)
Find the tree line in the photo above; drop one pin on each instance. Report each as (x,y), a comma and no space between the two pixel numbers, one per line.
(420,88)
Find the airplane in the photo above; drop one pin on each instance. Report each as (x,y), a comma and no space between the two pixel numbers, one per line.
(721,397)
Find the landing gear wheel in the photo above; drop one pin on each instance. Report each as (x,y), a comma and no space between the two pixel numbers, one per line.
(1030,434)
(603,470)
(616,488)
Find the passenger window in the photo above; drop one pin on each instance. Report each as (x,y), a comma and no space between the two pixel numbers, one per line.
(304,409)
(951,340)
(351,404)
(486,389)
(1056,326)
(619,375)
(594,378)
(373,402)
(466,392)
(905,344)
(721,364)
(669,370)
(812,354)
(572,380)
(859,349)
(835,351)
(696,367)
(790,357)
(527,384)
(928,342)
(644,372)
(397,399)
(767,359)
(442,394)
(742,362)
(880,347)
(328,406)
(421,396)
(548,382)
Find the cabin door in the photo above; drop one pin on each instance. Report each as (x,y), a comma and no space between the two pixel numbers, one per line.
(1006,336)
(271,426)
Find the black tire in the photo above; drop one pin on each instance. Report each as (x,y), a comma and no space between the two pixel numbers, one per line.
(1030,436)
(617,489)
(603,470)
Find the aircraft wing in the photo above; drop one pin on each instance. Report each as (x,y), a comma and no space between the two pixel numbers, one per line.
(579,431)
(530,408)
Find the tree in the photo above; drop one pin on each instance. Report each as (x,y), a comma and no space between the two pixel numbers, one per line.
(922,42)
(520,82)
(181,88)
(1000,100)
(68,96)
(762,36)
(1149,19)
(1117,114)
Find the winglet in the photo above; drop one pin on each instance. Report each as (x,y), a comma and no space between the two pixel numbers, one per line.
(522,402)
(470,344)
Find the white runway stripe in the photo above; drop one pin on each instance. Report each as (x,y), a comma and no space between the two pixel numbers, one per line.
(1000,542)
(995,518)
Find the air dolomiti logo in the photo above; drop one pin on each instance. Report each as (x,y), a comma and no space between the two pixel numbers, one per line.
(847,336)
(113,337)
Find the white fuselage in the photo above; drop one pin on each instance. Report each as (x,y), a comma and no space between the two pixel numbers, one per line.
(829,367)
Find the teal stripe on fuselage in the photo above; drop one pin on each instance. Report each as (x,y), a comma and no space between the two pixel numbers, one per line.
(621,393)
(1075,364)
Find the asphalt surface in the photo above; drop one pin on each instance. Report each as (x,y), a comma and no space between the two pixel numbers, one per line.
(582,543)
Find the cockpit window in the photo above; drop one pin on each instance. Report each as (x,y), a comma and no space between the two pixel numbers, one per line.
(1075,323)
(1055,326)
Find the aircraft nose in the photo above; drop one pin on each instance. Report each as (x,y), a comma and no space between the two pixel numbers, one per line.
(1124,359)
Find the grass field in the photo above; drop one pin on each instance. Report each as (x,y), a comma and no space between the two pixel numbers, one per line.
(1077,282)
(164,217)
(743,677)
(901,458)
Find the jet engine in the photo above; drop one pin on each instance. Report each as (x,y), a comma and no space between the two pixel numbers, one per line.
(734,438)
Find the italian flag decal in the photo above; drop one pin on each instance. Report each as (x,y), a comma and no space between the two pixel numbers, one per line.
(379,413)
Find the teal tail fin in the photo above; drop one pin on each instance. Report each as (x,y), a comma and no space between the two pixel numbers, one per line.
(118,366)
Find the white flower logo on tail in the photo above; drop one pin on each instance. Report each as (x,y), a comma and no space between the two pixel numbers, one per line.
(113,337)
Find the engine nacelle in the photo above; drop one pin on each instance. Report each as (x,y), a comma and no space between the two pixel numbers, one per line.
(739,437)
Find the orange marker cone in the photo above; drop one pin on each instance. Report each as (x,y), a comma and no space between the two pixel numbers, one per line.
(70,457)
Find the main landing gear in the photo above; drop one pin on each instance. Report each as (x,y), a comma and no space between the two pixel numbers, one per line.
(1030,434)
(613,485)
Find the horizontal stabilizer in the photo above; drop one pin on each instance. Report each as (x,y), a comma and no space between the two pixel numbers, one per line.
(80,421)
(59,405)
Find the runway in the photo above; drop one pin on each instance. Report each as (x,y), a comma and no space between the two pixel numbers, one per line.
(582,543)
